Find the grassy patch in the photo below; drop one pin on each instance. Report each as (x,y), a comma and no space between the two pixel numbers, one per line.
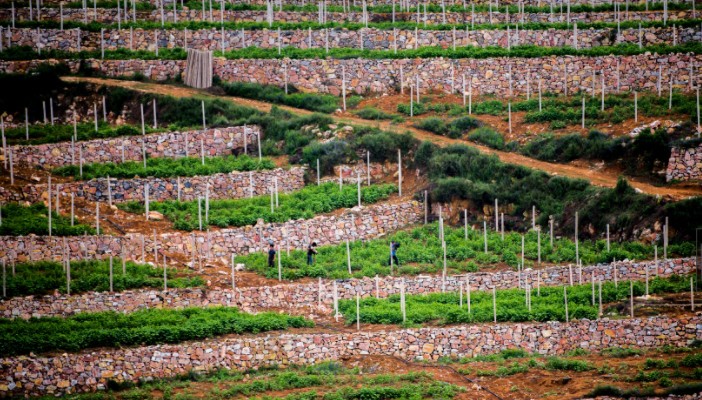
(19,220)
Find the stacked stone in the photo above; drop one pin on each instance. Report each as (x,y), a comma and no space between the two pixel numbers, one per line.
(233,185)
(354,224)
(109,16)
(90,370)
(373,39)
(300,297)
(685,164)
(216,142)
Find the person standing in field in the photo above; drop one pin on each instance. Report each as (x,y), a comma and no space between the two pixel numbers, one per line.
(271,255)
(311,252)
(393,253)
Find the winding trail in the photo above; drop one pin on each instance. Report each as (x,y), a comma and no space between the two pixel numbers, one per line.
(598,178)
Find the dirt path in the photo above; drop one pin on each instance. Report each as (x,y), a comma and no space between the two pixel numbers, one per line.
(599,178)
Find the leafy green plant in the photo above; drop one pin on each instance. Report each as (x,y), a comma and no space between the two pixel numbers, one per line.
(144,327)
(19,220)
(323,103)
(488,137)
(45,277)
(304,203)
(445,308)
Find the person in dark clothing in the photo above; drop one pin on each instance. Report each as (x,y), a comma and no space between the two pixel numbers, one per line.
(311,252)
(393,253)
(271,255)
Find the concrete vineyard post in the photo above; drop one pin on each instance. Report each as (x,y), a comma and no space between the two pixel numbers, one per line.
(465,224)
(146,200)
(318,183)
(97,218)
(577,253)
(49,203)
(502,225)
(73,215)
(497,215)
(348,256)
(494,305)
(280,265)
(204,122)
(565,303)
(358,312)
(485,241)
(111,280)
(631,298)
(399,170)
(608,237)
(368,168)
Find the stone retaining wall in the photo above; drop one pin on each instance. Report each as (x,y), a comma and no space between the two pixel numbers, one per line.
(233,185)
(216,142)
(488,76)
(90,370)
(301,297)
(357,223)
(685,164)
(109,16)
(373,39)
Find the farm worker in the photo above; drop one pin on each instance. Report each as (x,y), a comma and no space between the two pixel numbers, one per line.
(393,253)
(271,255)
(311,252)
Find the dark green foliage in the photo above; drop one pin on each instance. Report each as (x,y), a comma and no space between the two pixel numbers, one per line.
(329,154)
(145,327)
(44,277)
(304,203)
(39,134)
(167,167)
(18,220)
(373,114)
(460,172)
(488,137)
(323,103)
(453,129)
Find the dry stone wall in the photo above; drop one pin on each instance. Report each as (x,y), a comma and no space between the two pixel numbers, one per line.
(215,142)
(233,185)
(355,224)
(372,39)
(109,16)
(685,164)
(488,76)
(301,297)
(91,370)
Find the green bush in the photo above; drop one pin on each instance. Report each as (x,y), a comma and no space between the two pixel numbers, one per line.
(373,114)
(323,103)
(144,327)
(453,129)
(488,137)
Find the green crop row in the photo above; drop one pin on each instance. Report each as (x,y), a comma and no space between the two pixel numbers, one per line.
(453,129)
(47,133)
(94,26)
(45,277)
(304,203)
(167,167)
(421,252)
(522,51)
(445,308)
(19,220)
(144,327)
(379,9)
